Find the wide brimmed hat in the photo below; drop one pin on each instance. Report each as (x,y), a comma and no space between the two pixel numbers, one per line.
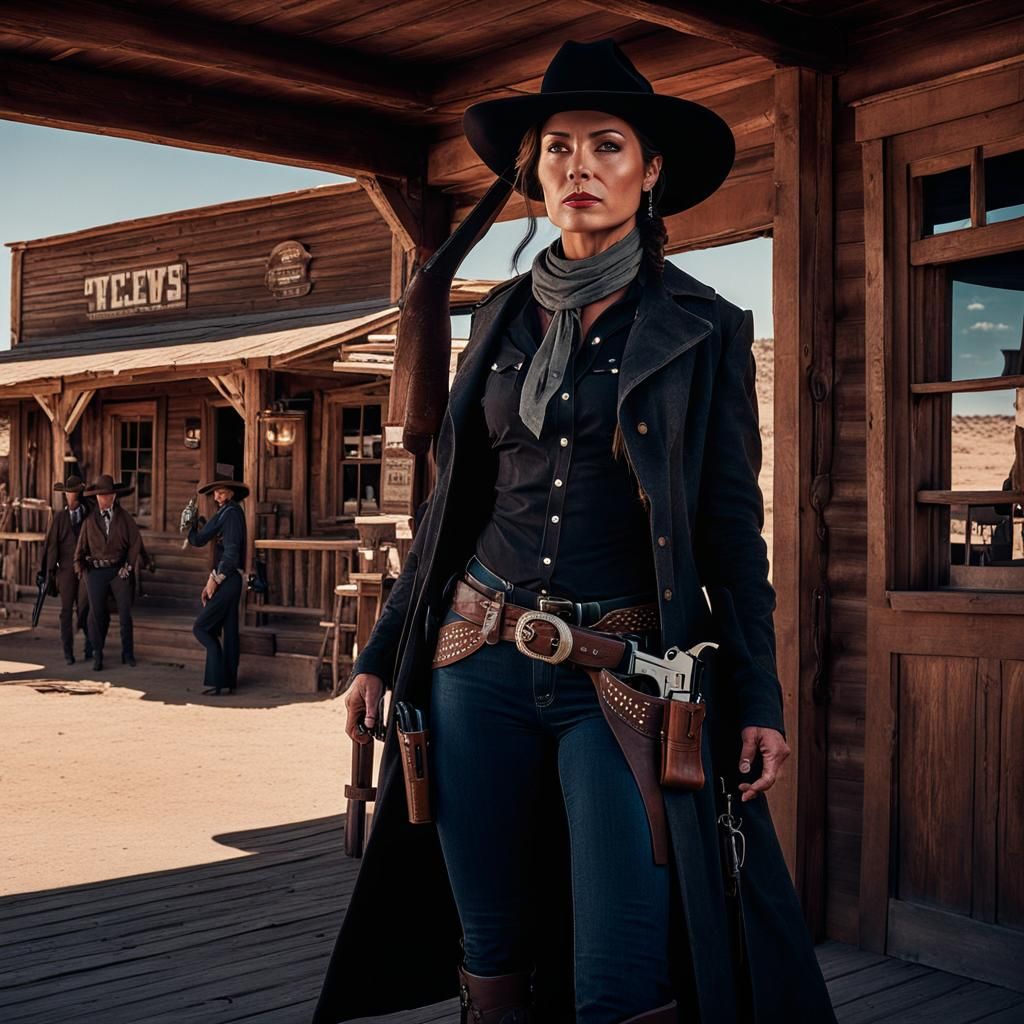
(105,485)
(697,145)
(73,485)
(241,490)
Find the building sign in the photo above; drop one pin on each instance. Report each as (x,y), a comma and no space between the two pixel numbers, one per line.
(288,270)
(397,472)
(149,290)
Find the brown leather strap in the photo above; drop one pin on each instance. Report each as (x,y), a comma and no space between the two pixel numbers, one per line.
(635,720)
(590,648)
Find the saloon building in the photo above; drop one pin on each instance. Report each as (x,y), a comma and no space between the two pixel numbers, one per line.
(250,340)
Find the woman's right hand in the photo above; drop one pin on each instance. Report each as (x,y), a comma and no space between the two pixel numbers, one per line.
(362,700)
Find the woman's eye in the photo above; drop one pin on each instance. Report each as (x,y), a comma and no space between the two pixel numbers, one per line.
(555,147)
(615,146)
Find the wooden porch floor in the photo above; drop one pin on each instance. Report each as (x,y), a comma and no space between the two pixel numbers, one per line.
(246,940)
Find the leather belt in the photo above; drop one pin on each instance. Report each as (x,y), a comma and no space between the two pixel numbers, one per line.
(105,563)
(549,637)
(636,719)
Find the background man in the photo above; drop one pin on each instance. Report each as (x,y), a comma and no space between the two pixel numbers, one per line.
(59,557)
(109,550)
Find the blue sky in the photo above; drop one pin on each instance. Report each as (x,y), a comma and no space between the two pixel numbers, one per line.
(57,181)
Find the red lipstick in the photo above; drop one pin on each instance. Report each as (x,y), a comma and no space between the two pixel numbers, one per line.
(580,200)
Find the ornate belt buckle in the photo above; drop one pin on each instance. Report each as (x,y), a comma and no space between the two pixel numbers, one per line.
(525,633)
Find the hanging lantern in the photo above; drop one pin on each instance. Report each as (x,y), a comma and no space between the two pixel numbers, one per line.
(281,427)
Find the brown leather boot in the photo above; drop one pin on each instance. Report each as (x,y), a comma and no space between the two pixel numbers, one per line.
(502,999)
(667,1014)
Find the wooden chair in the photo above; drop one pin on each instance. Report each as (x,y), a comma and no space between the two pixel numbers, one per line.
(333,629)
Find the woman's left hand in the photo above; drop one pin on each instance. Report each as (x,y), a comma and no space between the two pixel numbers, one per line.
(774,750)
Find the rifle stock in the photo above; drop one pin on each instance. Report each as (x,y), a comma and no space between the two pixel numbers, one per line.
(423,347)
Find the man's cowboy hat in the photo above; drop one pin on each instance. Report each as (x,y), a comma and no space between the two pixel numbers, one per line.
(697,145)
(105,485)
(73,485)
(241,490)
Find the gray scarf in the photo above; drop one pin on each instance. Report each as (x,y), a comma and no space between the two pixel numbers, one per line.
(565,285)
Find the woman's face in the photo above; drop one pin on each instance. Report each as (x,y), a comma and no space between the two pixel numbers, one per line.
(599,155)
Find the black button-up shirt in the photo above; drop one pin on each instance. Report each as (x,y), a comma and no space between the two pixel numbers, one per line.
(567,519)
(227,527)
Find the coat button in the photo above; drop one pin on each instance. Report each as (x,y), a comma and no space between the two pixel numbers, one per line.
(662,541)
(667,594)
(641,427)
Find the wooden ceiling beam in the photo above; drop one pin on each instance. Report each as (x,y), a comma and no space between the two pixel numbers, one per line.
(162,111)
(130,30)
(781,35)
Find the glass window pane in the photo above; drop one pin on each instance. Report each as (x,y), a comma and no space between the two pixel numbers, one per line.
(146,459)
(988,455)
(351,419)
(370,489)
(349,490)
(372,437)
(1004,187)
(946,200)
(127,460)
(144,485)
(145,433)
(987,297)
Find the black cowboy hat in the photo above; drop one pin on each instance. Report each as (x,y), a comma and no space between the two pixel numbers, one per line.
(240,490)
(697,145)
(73,485)
(105,485)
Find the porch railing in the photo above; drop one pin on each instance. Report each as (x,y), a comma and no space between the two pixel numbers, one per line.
(302,573)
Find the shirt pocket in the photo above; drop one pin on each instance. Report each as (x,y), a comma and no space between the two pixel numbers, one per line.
(506,373)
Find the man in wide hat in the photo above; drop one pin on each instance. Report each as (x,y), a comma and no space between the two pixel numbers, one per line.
(109,550)
(59,557)
(216,625)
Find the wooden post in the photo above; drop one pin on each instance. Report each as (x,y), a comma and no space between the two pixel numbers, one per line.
(251,393)
(804,344)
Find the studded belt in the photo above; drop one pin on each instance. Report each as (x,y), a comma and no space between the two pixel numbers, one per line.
(537,632)
(660,737)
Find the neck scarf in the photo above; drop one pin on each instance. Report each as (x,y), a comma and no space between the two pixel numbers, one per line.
(565,286)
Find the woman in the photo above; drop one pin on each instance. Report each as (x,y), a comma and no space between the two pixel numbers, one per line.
(572,397)
(218,619)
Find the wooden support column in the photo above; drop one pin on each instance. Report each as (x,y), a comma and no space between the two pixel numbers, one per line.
(252,387)
(63,409)
(418,217)
(804,424)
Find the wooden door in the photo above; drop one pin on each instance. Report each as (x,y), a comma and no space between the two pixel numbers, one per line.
(941,869)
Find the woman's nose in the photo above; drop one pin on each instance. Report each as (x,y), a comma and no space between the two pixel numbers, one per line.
(579,174)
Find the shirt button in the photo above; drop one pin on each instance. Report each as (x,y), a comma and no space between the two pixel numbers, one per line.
(596,341)
(565,396)
(558,483)
(667,594)
(641,427)
(547,561)
(563,441)
(554,519)
(662,541)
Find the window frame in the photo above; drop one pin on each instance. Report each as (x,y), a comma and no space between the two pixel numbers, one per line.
(334,460)
(926,496)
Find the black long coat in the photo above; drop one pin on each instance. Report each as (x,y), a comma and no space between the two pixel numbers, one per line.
(688,412)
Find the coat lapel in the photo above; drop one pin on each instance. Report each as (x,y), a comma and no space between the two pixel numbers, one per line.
(663,329)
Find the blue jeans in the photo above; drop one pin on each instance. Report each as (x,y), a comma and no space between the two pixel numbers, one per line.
(494,718)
